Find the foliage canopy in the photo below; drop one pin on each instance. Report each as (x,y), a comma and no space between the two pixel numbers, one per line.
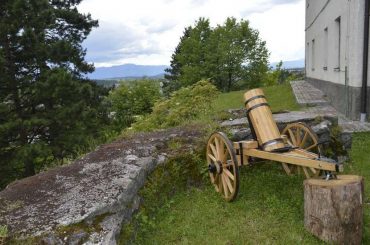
(128,101)
(231,55)
(184,105)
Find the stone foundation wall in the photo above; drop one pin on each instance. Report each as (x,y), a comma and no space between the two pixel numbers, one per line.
(345,99)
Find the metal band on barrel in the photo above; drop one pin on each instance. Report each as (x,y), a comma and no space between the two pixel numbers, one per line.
(272,142)
(256,106)
(253,98)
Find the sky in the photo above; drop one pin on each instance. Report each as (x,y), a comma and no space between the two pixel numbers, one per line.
(146,32)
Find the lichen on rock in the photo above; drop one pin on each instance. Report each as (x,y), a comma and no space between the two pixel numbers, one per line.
(101,187)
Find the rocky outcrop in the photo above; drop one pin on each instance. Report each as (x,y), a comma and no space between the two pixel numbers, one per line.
(99,191)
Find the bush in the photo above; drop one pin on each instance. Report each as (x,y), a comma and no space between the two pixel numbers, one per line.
(278,76)
(129,101)
(184,105)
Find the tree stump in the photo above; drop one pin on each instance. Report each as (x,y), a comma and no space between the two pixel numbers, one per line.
(333,210)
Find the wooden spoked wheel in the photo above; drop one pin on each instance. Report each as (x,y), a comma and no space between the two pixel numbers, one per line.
(302,136)
(223,166)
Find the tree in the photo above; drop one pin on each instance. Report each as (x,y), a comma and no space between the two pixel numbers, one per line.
(128,101)
(48,110)
(188,61)
(231,55)
(279,75)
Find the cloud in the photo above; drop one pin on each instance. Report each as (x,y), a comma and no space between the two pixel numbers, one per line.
(147,32)
(263,6)
(113,42)
(158,27)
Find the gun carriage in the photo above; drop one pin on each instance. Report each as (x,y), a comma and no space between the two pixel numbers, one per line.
(296,148)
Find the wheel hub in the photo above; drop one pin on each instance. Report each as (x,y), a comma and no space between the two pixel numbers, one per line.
(215,167)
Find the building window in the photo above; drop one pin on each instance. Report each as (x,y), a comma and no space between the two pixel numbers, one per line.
(313,55)
(326,53)
(337,43)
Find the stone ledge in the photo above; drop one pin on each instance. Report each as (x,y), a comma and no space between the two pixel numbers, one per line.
(104,182)
(283,118)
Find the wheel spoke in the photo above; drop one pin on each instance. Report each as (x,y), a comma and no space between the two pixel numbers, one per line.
(224,186)
(224,159)
(212,178)
(298,136)
(286,168)
(221,152)
(306,172)
(292,137)
(213,150)
(304,139)
(217,148)
(228,173)
(310,147)
(314,171)
(212,157)
(229,185)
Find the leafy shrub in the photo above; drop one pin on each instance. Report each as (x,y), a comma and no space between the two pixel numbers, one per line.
(278,76)
(130,101)
(184,105)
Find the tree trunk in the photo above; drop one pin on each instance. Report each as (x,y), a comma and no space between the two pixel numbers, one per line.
(29,168)
(333,210)
(229,82)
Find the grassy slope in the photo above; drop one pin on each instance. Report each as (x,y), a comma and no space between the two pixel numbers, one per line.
(279,97)
(269,207)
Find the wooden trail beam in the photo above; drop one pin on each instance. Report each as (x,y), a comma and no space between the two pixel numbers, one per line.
(295,158)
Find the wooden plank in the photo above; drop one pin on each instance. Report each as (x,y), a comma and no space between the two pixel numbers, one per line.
(292,159)
(306,153)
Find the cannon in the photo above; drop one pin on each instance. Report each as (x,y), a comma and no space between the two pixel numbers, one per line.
(296,148)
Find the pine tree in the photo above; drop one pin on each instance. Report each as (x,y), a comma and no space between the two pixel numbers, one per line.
(48,110)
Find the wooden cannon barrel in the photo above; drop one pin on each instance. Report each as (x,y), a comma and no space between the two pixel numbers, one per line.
(265,128)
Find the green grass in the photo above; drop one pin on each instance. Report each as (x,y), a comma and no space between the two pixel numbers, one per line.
(360,165)
(279,97)
(268,209)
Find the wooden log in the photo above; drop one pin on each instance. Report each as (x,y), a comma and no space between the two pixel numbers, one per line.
(333,210)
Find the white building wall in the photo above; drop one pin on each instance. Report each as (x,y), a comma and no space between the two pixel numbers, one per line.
(322,62)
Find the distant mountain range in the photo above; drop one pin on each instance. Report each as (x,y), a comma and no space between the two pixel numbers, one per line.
(290,64)
(128,71)
(132,71)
